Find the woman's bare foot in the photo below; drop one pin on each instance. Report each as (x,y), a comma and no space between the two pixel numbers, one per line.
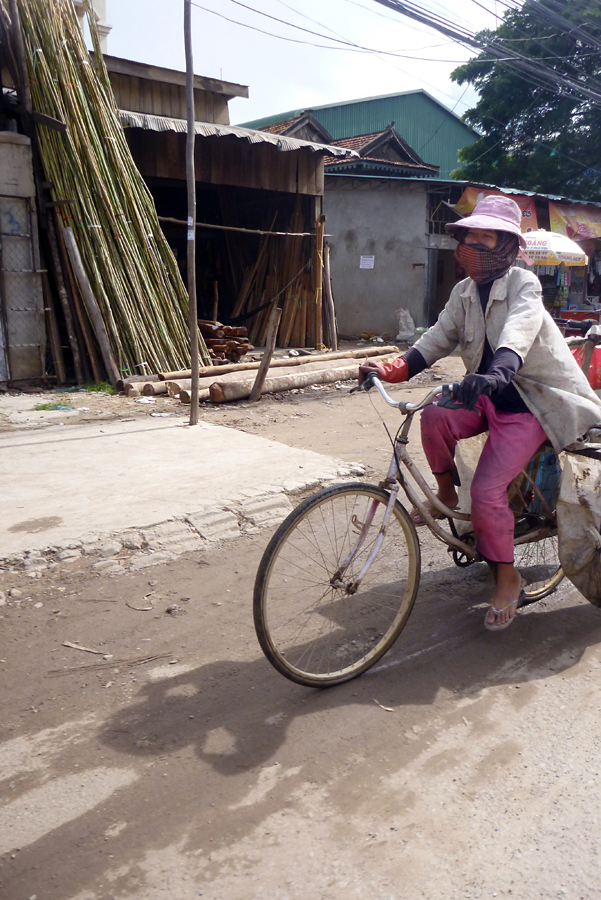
(446,490)
(505,600)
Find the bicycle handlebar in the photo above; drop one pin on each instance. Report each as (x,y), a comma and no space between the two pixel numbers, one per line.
(372,380)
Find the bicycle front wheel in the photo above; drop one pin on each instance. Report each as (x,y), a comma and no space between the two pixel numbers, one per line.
(314,625)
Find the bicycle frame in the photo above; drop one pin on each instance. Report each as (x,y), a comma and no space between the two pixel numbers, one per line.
(395,480)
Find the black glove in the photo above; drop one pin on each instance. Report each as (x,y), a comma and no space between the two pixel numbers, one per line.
(472,387)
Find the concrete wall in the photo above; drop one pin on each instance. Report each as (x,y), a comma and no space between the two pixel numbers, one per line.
(22,329)
(387,220)
(16,169)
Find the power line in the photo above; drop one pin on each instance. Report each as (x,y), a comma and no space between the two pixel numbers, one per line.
(541,75)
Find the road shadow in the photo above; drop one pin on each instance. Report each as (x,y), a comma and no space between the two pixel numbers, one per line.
(444,645)
(222,749)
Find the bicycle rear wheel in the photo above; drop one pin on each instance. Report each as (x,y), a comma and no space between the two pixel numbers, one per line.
(311,625)
(538,560)
(538,563)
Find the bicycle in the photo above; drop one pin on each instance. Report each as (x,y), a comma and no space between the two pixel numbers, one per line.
(339,578)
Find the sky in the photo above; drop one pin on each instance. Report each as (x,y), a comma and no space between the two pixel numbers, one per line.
(283,75)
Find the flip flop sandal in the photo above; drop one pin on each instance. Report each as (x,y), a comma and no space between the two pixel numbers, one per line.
(500,626)
(417,518)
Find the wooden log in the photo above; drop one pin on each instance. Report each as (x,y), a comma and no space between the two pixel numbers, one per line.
(177,385)
(92,308)
(203,394)
(154,388)
(135,390)
(272,330)
(134,379)
(222,392)
(360,353)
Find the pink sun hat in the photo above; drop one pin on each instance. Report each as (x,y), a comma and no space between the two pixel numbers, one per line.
(494,213)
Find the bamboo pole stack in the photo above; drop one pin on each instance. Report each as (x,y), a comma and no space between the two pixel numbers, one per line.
(287,271)
(131,269)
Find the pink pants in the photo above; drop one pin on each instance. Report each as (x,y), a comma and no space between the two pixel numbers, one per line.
(513,438)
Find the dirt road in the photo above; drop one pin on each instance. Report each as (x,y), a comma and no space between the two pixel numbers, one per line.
(175,763)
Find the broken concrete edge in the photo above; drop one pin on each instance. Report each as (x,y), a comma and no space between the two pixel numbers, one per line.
(149,545)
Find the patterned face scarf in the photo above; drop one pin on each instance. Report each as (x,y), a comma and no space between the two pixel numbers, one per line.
(484,265)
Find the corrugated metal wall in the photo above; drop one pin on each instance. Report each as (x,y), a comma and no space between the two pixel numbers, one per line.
(434,132)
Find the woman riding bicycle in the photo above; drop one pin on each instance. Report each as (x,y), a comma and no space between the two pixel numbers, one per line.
(522,385)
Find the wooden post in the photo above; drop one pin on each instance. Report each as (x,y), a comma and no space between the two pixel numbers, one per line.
(318,270)
(53,333)
(57,271)
(191,185)
(19,47)
(215,300)
(330,310)
(92,308)
(272,330)
(84,332)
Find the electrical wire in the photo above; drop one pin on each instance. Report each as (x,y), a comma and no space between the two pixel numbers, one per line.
(541,75)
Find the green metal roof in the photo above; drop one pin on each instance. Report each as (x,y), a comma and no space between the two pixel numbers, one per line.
(433,131)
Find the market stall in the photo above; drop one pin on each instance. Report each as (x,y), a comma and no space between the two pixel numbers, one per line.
(561,265)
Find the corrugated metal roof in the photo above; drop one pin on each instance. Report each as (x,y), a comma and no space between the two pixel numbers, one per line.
(210,129)
(559,198)
(432,130)
(386,167)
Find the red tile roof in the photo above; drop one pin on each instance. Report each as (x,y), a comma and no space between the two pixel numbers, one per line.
(279,127)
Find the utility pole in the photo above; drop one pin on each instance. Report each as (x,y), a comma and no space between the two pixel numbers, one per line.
(191,184)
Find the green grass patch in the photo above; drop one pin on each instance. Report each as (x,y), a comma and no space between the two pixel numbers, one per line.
(44,407)
(103,388)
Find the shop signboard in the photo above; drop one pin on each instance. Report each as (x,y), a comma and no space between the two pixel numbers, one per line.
(578,222)
(473,195)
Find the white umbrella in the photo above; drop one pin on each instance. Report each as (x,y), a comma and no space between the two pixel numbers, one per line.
(548,248)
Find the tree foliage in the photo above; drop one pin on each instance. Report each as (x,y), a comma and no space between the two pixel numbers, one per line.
(536,134)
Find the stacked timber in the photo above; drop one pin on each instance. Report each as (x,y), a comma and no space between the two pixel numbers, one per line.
(225,341)
(235,382)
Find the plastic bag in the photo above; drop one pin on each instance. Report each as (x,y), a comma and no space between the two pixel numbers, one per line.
(406,325)
(578,525)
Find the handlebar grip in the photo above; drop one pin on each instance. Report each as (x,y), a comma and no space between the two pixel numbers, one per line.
(447,400)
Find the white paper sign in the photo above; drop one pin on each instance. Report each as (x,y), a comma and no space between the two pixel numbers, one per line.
(366,262)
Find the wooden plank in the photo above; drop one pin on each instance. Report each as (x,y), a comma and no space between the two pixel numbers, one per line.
(319,175)
(163,166)
(155,93)
(301,173)
(311,167)
(203,106)
(136,95)
(92,307)
(122,90)
(272,330)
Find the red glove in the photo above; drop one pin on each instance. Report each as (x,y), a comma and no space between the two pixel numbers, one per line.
(394,372)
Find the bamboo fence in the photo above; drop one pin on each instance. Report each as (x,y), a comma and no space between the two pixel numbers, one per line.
(130,266)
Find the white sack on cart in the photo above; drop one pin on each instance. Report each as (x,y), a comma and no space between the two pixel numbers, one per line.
(579,524)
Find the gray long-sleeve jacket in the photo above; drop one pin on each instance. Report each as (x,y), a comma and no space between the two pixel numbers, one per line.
(549,380)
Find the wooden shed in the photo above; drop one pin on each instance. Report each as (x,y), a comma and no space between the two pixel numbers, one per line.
(250,185)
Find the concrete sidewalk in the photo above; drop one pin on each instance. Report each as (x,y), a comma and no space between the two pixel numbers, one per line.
(61,484)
